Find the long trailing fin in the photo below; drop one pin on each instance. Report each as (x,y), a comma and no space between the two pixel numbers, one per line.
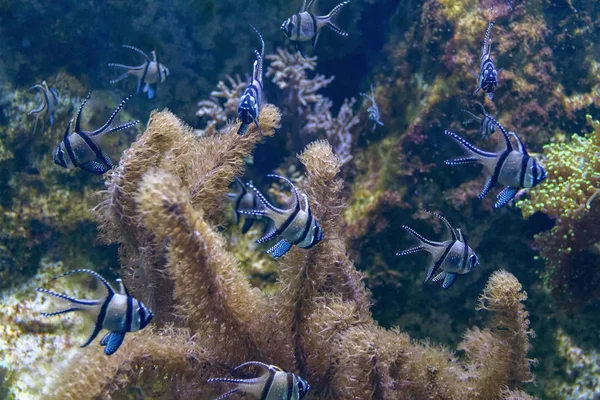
(522,148)
(65,311)
(227,394)
(505,133)
(270,235)
(122,127)
(445,221)
(89,272)
(68,298)
(78,118)
(119,78)
(472,151)
(264,201)
(294,190)
(489,184)
(137,50)
(260,57)
(421,238)
(439,277)
(112,117)
(410,251)
(249,363)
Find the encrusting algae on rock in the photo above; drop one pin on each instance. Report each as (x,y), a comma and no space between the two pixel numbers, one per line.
(163,205)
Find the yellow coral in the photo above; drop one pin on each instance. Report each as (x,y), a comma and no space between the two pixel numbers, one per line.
(573,177)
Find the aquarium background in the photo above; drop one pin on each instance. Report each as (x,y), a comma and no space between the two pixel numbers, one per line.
(419,57)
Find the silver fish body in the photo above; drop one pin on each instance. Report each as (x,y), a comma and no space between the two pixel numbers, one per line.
(295,225)
(306,26)
(118,313)
(149,74)
(274,384)
(512,167)
(452,257)
(82,149)
(251,100)
(48,105)
(243,200)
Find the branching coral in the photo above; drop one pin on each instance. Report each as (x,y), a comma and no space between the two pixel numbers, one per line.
(317,324)
(570,195)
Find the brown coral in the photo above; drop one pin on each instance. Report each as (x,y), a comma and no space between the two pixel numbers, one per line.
(317,324)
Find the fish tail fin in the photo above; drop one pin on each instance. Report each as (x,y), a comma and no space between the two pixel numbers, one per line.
(424,244)
(119,78)
(328,19)
(67,298)
(65,311)
(472,153)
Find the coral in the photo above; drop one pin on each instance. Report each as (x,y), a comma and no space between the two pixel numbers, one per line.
(219,114)
(289,72)
(338,130)
(569,196)
(164,199)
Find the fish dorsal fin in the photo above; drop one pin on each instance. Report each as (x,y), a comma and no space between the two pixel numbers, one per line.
(122,288)
(482,108)
(303,8)
(461,236)
(311,3)
(445,221)
(258,65)
(521,146)
(78,119)
(67,145)
(505,134)
(92,273)
(294,190)
(249,363)
(239,182)
(137,50)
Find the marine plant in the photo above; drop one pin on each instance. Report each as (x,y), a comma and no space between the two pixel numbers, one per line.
(163,205)
(570,196)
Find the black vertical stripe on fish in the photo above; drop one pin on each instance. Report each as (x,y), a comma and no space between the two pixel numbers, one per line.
(298,24)
(47,102)
(143,79)
(142,315)
(465,254)
(158,67)
(441,260)
(306,228)
(524,161)
(499,166)
(70,152)
(314,21)
(535,173)
(104,160)
(287,222)
(268,385)
(100,319)
(129,314)
(290,385)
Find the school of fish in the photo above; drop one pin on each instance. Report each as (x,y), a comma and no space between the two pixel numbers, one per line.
(292,225)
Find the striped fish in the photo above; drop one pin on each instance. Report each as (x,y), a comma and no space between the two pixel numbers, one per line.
(486,127)
(373,110)
(81,149)
(305,25)
(150,73)
(274,384)
(512,167)
(452,257)
(243,200)
(48,105)
(251,101)
(295,226)
(117,312)
(488,75)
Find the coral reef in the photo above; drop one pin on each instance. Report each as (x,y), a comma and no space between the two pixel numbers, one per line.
(569,196)
(162,205)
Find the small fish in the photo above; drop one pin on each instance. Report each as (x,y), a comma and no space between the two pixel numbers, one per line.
(373,110)
(117,312)
(305,25)
(251,101)
(243,200)
(452,257)
(48,105)
(274,384)
(82,148)
(487,126)
(149,73)
(511,167)
(295,225)
(488,75)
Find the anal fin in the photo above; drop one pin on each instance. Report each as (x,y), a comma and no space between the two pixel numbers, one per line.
(488,186)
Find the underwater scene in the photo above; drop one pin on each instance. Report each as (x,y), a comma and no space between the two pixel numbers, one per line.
(276,200)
